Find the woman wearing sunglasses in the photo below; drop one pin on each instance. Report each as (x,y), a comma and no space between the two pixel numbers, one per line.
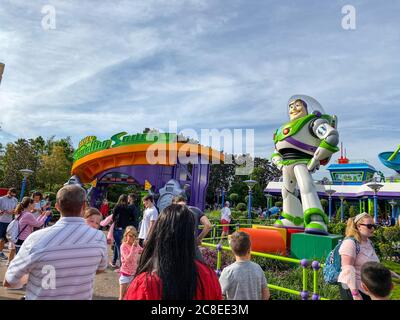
(356,250)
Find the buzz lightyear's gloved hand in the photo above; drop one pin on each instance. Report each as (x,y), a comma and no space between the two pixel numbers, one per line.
(313,165)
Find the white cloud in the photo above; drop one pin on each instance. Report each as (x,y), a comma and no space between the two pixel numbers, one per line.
(126,65)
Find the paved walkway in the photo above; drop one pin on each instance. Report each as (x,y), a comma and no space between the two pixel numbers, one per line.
(106,285)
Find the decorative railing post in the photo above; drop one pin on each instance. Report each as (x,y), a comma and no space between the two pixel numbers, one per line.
(237,226)
(219,259)
(213,233)
(316,266)
(304,294)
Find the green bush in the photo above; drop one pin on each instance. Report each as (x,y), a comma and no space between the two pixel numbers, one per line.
(241,206)
(214,215)
(52,196)
(337,228)
(111,205)
(392,234)
(234,197)
(293,279)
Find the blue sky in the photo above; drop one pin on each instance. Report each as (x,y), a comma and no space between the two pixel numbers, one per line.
(112,66)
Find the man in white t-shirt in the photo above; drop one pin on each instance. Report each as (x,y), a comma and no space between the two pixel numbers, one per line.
(150,216)
(225,220)
(7,206)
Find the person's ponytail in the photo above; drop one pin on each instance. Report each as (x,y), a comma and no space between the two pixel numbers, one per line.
(24,204)
(351,229)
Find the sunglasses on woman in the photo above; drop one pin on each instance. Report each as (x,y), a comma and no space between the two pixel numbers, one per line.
(369,225)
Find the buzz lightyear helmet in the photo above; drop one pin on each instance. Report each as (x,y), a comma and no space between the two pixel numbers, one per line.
(312,105)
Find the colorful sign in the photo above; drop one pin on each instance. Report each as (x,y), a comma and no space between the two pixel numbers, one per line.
(90,144)
(348,176)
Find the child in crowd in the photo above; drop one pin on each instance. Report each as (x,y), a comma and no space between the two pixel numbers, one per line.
(93,217)
(244,279)
(47,207)
(104,223)
(376,280)
(130,253)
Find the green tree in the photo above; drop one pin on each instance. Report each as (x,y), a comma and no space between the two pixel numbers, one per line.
(19,155)
(234,197)
(54,170)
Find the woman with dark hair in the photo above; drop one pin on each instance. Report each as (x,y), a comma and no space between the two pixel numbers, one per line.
(168,269)
(122,217)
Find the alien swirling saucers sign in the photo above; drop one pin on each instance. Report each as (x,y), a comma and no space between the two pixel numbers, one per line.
(91,144)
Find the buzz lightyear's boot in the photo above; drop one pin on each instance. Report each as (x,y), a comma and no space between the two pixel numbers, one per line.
(315,221)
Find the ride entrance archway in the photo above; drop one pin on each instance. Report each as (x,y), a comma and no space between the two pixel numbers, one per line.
(152,158)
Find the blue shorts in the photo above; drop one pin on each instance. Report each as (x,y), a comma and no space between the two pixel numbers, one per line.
(3,230)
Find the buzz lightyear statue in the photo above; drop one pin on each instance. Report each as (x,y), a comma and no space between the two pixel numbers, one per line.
(301,146)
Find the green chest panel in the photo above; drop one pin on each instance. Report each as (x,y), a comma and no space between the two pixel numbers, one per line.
(293,127)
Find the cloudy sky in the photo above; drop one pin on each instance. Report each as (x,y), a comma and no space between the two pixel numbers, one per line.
(112,66)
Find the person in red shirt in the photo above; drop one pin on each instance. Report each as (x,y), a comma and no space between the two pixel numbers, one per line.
(168,269)
(104,208)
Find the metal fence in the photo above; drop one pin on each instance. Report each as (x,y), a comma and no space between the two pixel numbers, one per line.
(316,266)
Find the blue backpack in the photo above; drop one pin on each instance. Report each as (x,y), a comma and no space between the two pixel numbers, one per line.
(333,263)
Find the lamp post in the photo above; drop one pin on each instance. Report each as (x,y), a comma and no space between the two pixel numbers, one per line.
(365,203)
(375,187)
(341,208)
(330,192)
(250,184)
(26,173)
(223,197)
(393,203)
(268,197)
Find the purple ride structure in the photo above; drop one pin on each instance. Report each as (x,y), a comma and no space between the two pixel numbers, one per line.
(145,158)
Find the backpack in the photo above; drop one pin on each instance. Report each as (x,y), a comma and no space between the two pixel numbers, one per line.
(333,263)
(13,232)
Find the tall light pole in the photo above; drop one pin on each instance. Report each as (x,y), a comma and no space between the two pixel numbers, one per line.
(330,192)
(268,197)
(341,208)
(250,184)
(223,197)
(393,203)
(375,187)
(26,173)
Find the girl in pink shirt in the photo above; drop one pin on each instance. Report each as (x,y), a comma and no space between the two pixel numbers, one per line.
(130,252)
(27,220)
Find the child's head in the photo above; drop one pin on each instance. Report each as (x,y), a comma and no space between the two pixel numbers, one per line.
(93,217)
(240,243)
(376,280)
(130,234)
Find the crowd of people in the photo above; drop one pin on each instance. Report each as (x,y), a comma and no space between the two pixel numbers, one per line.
(157,257)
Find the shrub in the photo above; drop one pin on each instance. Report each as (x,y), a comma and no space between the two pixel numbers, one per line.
(337,228)
(234,197)
(241,206)
(392,234)
(111,205)
(292,279)
(210,257)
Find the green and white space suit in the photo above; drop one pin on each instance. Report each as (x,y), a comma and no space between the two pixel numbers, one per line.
(301,145)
